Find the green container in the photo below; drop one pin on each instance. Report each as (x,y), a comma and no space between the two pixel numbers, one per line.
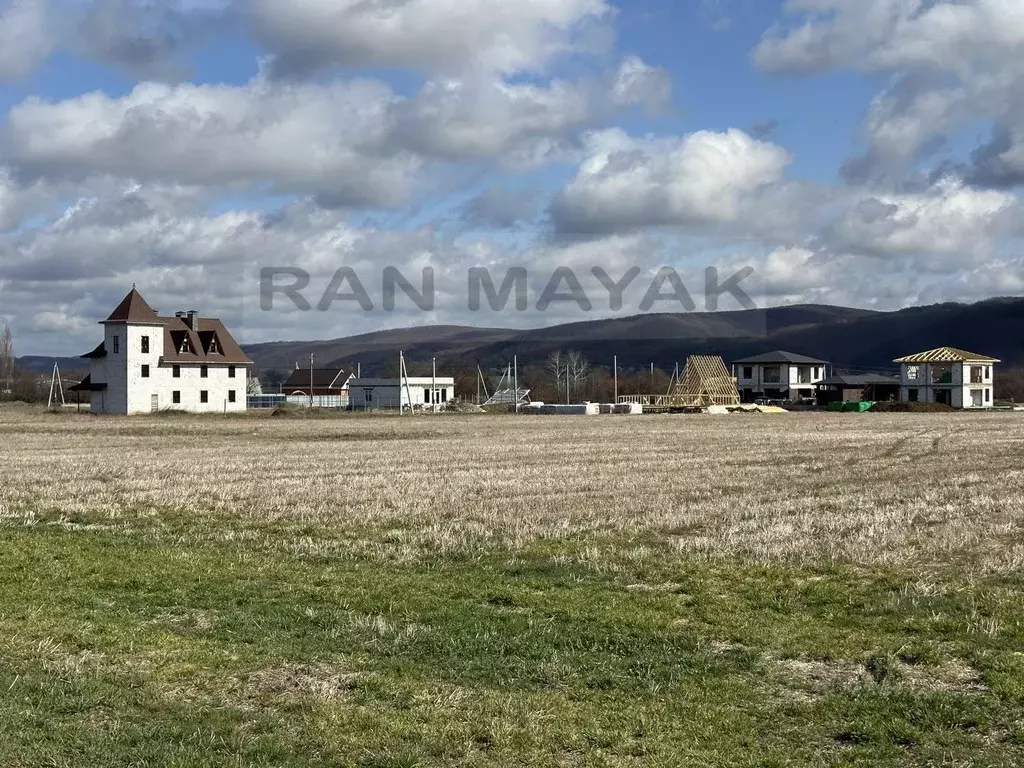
(857,406)
(835,407)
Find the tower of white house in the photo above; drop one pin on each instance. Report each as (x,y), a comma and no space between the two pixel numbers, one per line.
(150,363)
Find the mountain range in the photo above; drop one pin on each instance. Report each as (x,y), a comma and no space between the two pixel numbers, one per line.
(851,339)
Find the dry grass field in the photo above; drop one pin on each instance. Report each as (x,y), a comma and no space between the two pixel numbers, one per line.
(808,589)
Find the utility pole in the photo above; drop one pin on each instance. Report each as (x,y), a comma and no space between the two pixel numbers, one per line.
(56,387)
(433,384)
(567,384)
(310,379)
(652,378)
(615,367)
(403,375)
(515,386)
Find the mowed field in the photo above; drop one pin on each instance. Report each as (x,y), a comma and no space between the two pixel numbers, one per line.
(807,589)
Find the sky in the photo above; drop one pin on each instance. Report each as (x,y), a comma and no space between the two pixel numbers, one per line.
(864,153)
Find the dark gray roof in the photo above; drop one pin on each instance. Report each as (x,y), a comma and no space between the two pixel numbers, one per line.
(858,380)
(323,378)
(779,356)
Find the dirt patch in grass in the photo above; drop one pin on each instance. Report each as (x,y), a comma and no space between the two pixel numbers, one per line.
(814,678)
(321,681)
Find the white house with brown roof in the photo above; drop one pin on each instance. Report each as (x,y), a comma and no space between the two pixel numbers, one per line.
(949,376)
(149,363)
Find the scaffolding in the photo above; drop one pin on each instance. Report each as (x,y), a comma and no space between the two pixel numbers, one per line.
(506,393)
(705,382)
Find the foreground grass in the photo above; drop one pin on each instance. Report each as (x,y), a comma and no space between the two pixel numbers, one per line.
(625,602)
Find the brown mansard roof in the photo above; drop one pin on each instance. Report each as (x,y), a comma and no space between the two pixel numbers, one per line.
(200,343)
(211,343)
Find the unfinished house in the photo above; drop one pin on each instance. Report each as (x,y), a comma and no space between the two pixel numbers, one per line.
(840,388)
(949,376)
(778,375)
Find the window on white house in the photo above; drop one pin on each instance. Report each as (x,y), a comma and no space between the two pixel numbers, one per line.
(204,372)
(426,396)
(145,371)
(176,397)
(145,345)
(176,371)
(231,395)
(231,371)
(988,395)
(444,395)
(204,396)
(117,344)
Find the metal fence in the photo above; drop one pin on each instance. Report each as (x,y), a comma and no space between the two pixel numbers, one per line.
(301,401)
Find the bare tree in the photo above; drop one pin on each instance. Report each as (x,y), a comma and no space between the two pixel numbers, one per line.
(555,368)
(253,386)
(578,370)
(6,360)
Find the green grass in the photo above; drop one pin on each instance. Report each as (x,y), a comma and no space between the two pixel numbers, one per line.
(170,649)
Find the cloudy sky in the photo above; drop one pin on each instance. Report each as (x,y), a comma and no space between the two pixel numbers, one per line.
(859,152)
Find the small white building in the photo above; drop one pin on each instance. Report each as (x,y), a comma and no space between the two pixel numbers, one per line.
(949,376)
(147,363)
(417,391)
(778,375)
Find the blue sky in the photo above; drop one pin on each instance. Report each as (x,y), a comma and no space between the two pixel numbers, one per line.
(858,152)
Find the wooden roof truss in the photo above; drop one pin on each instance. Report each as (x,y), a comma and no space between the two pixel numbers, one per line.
(704,382)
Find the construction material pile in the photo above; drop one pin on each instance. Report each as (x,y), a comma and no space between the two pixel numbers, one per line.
(721,410)
(916,407)
(458,406)
(581,409)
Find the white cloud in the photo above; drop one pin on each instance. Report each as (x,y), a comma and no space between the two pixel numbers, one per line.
(352,142)
(326,139)
(953,62)
(25,36)
(449,36)
(700,178)
(948,220)
(892,34)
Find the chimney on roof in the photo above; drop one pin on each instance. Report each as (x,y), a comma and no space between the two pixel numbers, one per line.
(192,319)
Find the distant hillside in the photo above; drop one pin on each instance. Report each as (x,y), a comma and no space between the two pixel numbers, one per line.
(851,338)
(40,364)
